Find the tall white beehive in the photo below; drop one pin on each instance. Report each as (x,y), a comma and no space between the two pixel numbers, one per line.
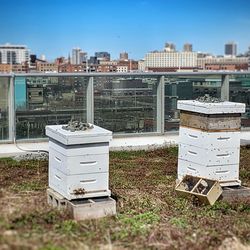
(79,162)
(209,140)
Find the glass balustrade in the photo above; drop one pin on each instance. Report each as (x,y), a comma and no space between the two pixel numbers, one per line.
(41,101)
(126,103)
(4,108)
(187,88)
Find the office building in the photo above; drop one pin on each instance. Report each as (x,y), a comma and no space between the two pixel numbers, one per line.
(222,63)
(187,47)
(230,49)
(169,47)
(14,54)
(170,61)
(78,56)
(102,56)
(123,56)
(47,67)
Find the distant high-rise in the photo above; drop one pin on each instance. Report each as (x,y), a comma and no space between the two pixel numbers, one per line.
(78,56)
(102,56)
(124,56)
(169,47)
(187,47)
(14,54)
(231,49)
(82,57)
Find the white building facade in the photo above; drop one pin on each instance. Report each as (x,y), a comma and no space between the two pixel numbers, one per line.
(163,59)
(14,54)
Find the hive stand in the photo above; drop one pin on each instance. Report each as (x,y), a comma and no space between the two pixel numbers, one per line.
(82,209)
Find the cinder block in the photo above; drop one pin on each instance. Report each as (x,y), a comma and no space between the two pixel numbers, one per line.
(82,209)
(236,193)
(56,200)
(93,208)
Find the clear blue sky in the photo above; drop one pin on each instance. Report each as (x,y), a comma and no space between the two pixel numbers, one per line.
(54,27)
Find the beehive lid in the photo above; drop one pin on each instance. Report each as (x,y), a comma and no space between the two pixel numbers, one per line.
(66,137)
(211,107)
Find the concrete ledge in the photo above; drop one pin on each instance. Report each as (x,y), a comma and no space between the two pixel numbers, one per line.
(121,143)
(117,144)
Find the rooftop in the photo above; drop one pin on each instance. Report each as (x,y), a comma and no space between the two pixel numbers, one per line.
(150,215)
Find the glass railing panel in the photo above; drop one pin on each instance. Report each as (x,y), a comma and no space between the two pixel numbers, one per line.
(239,91)
(126,104)
(42,101)
(4,108)
(187,88)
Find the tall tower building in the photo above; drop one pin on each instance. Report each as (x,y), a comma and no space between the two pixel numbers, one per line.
(231,49)
(123,56)
(169,47)
(14,54)
(76,56)
(187,47)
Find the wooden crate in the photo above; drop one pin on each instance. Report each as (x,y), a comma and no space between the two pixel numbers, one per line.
(206,190)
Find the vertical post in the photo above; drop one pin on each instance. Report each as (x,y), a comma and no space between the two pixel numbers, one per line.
(160,105)
(225,87)
(90,100)
(11,96)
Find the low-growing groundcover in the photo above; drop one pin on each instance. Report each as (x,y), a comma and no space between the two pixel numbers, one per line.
(150,214)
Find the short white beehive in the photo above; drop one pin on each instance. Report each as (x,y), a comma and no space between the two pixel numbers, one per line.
(209,140)
(79,162)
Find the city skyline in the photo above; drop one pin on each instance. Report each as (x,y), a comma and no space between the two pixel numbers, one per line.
(55,27)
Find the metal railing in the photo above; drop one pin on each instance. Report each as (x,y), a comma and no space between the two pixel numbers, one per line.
(126,103)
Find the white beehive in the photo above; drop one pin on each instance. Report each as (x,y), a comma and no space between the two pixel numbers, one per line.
(210,141)
(79,162)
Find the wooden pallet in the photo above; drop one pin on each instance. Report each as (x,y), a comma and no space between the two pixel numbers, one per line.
(235,193)
(82,209)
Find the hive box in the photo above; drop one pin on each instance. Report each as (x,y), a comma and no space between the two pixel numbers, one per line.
(79,162)
(210,140)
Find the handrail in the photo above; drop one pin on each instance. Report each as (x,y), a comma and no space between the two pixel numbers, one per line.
(113,74)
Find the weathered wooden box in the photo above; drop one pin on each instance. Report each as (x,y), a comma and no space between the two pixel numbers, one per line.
(206,190)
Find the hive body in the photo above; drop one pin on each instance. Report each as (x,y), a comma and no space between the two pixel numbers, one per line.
(79,162)
(210,140)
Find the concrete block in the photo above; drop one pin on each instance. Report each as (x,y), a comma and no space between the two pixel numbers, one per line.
(92,208)
(56,200)
(83,209)
(236,193)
